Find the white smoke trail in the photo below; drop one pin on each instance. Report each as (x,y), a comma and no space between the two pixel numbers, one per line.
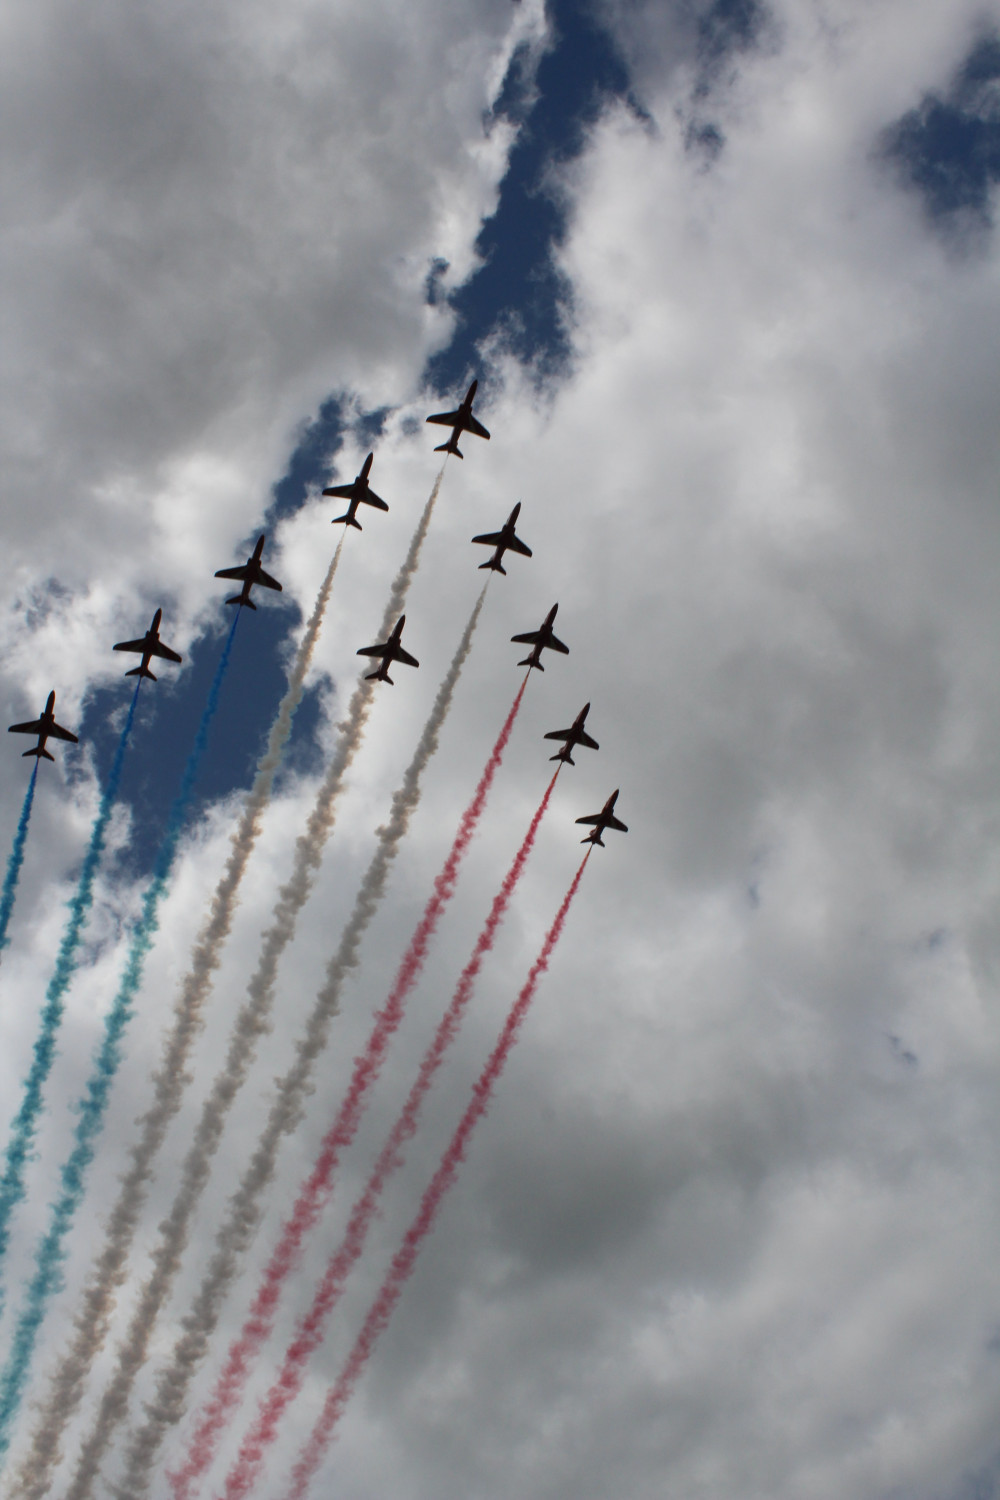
(169,1402)
(252,1021)
(67,1383)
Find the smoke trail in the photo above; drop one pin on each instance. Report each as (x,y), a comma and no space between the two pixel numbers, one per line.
(23,1126)
(51,1252)
(245,1207)
(68,1379)
(405,1259)
(252,1021)
(247,1466)
(16,859)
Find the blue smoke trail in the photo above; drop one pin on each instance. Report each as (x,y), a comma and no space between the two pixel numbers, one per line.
(16,859)
(47,1279)
(23,1127)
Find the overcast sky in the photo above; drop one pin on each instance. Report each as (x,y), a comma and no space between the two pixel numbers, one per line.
(729,278)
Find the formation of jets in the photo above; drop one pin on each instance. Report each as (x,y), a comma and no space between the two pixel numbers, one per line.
(359,492)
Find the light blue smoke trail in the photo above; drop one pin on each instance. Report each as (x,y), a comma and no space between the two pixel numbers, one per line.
(22,1131)
(16,860)
(51,1252)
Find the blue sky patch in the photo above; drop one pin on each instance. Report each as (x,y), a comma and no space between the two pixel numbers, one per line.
(518,288)
(948,148)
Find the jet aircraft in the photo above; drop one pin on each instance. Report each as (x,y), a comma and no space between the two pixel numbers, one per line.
(149,645)
(503,540)
(460,421)
(602,821)
(539,639)
(251,572)
(43,727)
(390,651)
(574,735)
(358,492)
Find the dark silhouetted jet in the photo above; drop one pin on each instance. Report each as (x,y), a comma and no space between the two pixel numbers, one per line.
(503,540)
(358,493)
(574,735)
(602,821)
(149,645)
(390,651)
(43,727)
(539,639)
(460,421)
(251,572)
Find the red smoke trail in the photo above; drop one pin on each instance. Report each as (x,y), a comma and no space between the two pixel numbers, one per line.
(243,1351)
(247,1466)
(405,1259)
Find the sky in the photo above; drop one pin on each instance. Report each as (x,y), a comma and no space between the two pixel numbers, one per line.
(727,274)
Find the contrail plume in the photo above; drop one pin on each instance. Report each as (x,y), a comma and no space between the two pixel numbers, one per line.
(245,1208)
(16,859)
(246,1469)
(23,1127)
(251,1023)
(68,1380)
(405,1259)
(51,1252)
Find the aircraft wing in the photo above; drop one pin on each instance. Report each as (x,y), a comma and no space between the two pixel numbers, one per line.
(341,491)
(240,572)
(516,545)
(267,580)
(161,650)
(473,426)
(404,656)
(557,645)
(567,734)
(371,651)
(63,734)
(596,820)
(614,822)
(529,638)
(138,646)
(491,538)
(370,498)
(446,418)
(34,728)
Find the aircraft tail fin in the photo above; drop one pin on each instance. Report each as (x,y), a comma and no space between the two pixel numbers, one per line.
(529,661)
(379,676)
(594,838)
(449,448)
(39,752)
(239,599)
(141,672)
(497,567)
(564,755)
(348,518)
